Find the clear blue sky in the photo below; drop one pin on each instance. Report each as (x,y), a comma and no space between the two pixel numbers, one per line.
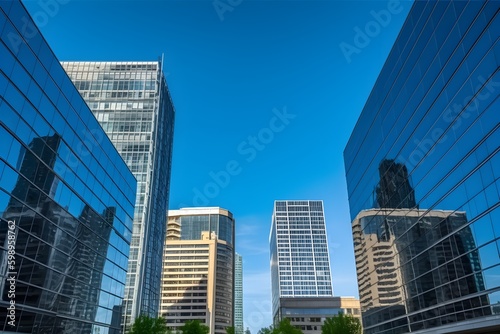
(230,75)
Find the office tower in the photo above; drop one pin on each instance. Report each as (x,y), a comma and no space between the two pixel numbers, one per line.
(188,281)
(300,262)
(66,196)
(198,268)
(426,240)
(132,103)
(238,294)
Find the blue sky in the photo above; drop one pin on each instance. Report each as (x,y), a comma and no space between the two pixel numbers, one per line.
(266,96)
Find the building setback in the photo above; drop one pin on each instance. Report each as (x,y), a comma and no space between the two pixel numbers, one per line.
(198,268)
(132,103)
(423,178)
(66,196)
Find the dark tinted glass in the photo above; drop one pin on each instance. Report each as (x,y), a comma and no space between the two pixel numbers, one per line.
(421,175)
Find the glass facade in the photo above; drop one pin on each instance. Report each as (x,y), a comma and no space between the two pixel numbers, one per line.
(224,287)
(238,294)
(66,195)
(192,226)
(132,103)
(300,263)
(423,176)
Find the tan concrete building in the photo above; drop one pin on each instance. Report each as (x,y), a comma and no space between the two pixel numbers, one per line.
(198,276)
(309,313)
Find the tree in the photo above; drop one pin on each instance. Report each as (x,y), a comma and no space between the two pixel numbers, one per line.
(265,330)
(147,325)
(342,324)
(248,331)
(194,327)
(230,330)
(284,327)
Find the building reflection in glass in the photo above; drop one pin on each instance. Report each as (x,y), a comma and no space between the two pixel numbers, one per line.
(394,189)
(65,190)
(416,268)
(60,259)
(423,176)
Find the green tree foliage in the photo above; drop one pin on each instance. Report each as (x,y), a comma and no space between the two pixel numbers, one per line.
(342,324)
(265,330)
(284,327)
(194,327)
(148,325)
(230,330)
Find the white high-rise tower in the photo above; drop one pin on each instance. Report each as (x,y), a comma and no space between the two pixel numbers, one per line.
(300,264)
(132,103)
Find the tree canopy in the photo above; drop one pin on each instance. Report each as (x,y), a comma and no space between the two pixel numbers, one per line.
(342,324)
(194,327)
(265,330)
(284,327)
(147,325)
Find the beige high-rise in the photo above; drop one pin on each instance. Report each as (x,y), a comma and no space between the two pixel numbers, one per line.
(198,276)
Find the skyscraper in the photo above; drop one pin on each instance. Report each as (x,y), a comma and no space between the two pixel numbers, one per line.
(426,240)
(66,195)
(132,103)
(300,262)
(188,282)
(238,294)
(198,271)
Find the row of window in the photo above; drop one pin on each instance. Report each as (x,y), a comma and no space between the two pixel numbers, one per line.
(115,85)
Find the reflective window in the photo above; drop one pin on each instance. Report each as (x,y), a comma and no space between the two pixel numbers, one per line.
(63,224)
(423,190)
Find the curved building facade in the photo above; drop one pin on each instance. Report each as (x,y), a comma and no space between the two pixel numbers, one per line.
(423,177)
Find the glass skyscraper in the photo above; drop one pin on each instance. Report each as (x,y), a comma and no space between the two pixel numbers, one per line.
(300,263)
(238,294)
(423,176)
(132,103)
(66,195)
(195,220)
